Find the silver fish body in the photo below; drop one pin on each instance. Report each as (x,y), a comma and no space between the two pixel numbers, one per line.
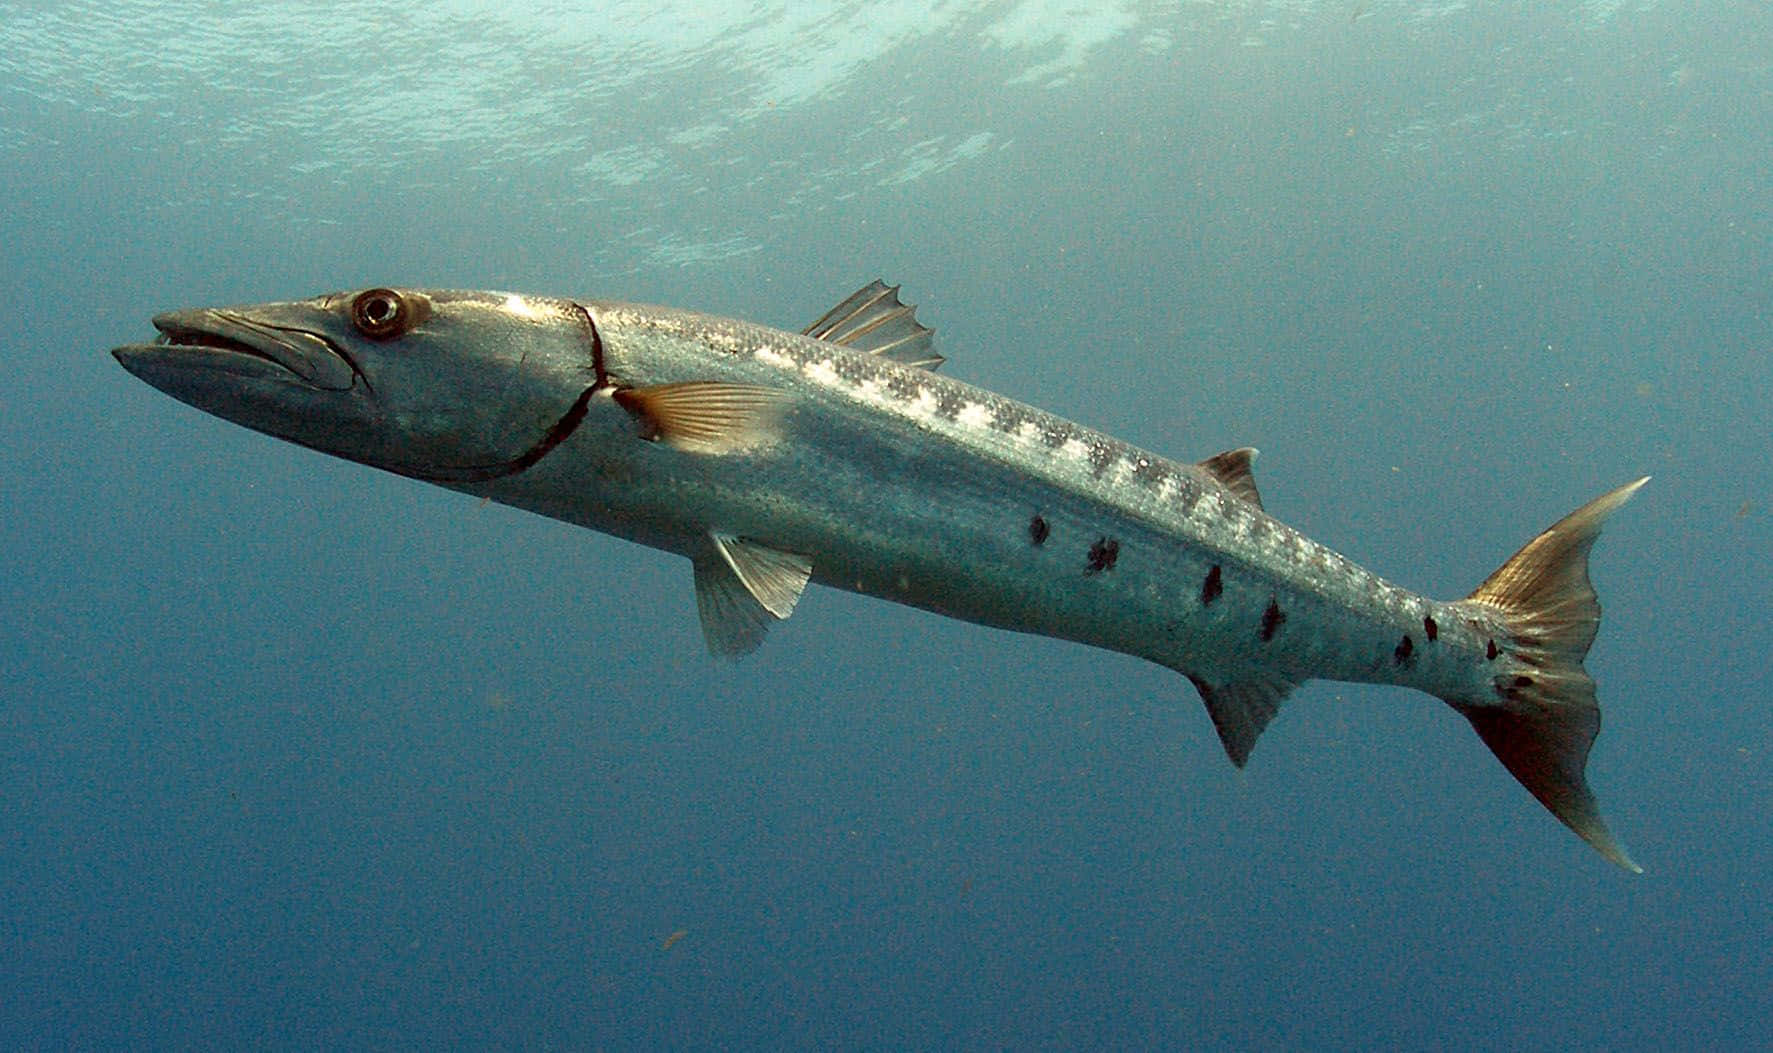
(918,488)
(771,458)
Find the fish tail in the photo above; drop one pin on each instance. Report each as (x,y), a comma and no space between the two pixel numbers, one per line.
(1541,716)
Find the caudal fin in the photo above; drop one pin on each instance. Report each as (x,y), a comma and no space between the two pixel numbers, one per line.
(1542,717)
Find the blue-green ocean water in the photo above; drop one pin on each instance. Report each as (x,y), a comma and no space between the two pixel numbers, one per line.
(297,754)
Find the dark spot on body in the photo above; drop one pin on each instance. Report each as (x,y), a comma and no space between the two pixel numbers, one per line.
(1513,688)
(1038,530)
(1102,555)
(1212,587)
(1271,620)
(1430,628)
(1405,648)
(1490,651)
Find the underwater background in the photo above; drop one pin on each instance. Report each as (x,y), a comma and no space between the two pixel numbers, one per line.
(294,753)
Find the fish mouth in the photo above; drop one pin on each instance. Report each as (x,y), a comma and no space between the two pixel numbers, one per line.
(218,340)
(176,331)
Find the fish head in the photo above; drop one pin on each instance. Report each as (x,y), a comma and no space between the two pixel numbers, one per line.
(438,385)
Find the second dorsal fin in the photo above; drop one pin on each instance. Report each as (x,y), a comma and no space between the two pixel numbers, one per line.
(1232,469)
(874,322)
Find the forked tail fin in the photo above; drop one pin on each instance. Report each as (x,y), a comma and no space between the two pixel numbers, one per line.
(1542,716)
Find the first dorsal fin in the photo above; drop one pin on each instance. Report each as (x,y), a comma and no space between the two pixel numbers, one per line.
(1232,469)
(874,322)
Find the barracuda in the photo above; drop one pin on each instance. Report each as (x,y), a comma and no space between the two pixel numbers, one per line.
(836,455)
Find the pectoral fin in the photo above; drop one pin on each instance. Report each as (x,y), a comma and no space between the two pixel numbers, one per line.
(742,588)
(706,416)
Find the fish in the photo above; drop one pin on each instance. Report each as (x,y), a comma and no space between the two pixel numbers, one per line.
(838,455)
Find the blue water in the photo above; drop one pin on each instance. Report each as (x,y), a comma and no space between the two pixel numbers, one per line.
(298,754)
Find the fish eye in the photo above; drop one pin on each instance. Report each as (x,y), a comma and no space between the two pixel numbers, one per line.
(381,314)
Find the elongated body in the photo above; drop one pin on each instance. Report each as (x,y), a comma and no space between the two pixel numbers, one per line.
(837,455)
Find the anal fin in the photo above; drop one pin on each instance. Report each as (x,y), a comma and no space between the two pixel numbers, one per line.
(742,588)
(1242,708)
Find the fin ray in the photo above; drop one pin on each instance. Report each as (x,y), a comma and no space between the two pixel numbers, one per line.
(733,622)
(775,579)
